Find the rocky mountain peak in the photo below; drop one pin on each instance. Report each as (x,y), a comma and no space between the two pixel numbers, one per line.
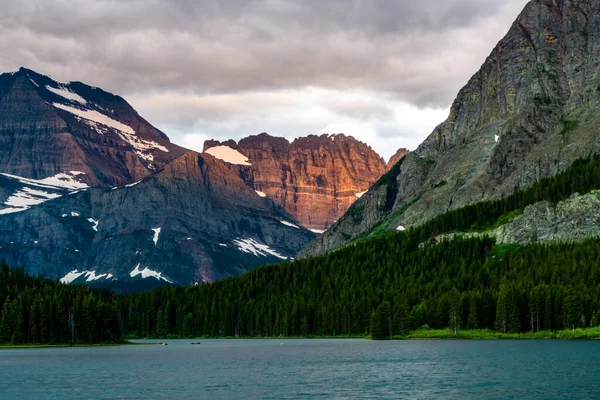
(315,178)
(528,113)
(397,157)
(49,127)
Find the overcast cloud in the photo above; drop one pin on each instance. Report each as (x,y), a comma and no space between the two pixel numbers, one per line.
(385,71)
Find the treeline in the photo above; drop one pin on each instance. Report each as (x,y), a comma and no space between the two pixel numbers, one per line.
(385,286)
(34,310)
(392,281)
(581,177)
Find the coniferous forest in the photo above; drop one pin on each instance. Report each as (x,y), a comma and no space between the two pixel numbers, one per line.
(386,286)
(389,287)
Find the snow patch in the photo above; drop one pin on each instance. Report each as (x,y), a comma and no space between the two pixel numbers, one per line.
(361,194)
(319,231)
(89,275)
(95,116)
(289,224)
(26,197)
(147,273)
(67,94)
(71,276)
(496,138)
(251,246)
(228,155)
(156,235)
(10,210)
(63,180)
(133,184)
(75,214)
(261,194)
(401,228)
(94,223)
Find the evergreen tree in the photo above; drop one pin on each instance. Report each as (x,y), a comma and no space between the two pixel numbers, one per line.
(380,322)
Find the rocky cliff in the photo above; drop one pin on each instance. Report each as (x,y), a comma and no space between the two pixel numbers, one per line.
(396,157)
(49,128)
(193,221)
(315,178)
(529,112)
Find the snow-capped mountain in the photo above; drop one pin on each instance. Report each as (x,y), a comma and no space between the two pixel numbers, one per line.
(48,128)
(91,192)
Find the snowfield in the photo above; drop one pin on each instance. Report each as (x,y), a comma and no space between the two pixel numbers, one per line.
(90,275)
(147,273)
(289,224)
(67,94)
(156,235)
(228,155)
(251,246)
(125,132)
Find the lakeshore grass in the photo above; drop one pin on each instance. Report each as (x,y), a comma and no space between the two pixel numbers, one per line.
(479,334)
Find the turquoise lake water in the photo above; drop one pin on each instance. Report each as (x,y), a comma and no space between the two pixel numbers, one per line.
(290,369)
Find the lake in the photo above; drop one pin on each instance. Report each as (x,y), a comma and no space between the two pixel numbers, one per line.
(286,369)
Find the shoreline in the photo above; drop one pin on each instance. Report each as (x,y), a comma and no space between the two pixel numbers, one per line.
(431,334)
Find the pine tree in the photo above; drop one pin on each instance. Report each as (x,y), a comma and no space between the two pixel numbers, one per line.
(454,311)
(400,317)
(380,322)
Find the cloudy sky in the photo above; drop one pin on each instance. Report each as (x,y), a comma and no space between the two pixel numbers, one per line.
(384,71)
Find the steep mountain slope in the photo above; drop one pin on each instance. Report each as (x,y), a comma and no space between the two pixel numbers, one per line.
(194,221)
(530,111)
(48,128)
(315,178)
(396,157)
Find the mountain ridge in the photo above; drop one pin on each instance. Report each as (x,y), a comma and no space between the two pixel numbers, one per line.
(48,127)
(529,112)
(315,178)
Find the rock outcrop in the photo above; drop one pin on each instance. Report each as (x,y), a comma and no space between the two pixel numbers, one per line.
(315,178)
(575,219)
(193,221)
(397,157)
(48,127)
(529,112)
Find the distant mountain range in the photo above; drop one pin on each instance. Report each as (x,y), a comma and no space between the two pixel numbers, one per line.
(91,192)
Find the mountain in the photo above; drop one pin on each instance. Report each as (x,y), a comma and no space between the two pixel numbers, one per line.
(529,112)
(91,192)
(396,157)
(193,221)
(315,178)
(48,128)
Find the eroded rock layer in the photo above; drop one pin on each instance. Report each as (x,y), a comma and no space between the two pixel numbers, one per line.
(315,178)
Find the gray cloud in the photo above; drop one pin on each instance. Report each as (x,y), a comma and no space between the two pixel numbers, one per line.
(192,62)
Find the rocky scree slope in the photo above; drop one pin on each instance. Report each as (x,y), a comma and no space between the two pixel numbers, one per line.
(529,112)
(315,178)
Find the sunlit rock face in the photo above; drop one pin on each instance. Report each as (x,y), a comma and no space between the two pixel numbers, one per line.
(315,178)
